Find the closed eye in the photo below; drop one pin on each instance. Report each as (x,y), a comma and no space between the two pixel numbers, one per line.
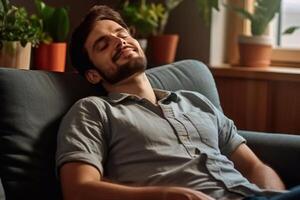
(123,33)
(100,44)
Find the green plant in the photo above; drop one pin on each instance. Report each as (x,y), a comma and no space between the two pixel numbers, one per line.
(290,30)
(143,18)
(56,22)
(206,7)
(148,18)
(264,12)
(17,25)
(151,19)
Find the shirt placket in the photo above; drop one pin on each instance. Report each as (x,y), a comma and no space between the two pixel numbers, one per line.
(181,129)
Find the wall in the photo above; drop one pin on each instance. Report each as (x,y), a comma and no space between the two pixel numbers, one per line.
(194,35)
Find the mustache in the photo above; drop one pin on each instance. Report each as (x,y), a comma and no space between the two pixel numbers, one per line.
(118,53)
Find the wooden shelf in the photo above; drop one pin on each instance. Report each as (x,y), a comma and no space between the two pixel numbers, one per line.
(266,73)
(260,99)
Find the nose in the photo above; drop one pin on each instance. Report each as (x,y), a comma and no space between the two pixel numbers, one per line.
(118,42)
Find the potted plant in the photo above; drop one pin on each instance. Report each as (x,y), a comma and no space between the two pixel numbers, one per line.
(51,53)
(142,19)
(150,19)
(18,32)
(163,47)
(255,50)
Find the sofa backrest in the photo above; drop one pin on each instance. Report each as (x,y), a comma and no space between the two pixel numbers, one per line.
(185,75)
(32,104)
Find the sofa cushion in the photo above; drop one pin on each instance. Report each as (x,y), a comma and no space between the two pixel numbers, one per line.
(185,75)
(32,104)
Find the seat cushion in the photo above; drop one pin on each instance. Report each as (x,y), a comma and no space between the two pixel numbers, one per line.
(32,105)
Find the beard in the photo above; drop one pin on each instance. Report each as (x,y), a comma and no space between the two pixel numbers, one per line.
(133,66)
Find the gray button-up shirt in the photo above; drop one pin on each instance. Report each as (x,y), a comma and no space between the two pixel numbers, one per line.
(182,141)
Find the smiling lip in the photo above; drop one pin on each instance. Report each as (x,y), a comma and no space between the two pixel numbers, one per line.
(119,53)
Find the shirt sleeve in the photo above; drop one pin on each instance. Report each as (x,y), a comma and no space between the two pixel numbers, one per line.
(229,139)
(81,136)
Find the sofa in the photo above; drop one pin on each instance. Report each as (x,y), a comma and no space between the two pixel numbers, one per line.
(33,102)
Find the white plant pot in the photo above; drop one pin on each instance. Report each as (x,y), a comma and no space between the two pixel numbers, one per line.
(13,55)
(255,51)
(262,40)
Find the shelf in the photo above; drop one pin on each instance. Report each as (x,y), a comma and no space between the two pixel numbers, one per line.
(266,73)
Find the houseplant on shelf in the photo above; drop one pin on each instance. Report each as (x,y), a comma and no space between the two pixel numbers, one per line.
(18,32)
(255,50)
(163,47)
(150,19)
(51,53)
(142,19)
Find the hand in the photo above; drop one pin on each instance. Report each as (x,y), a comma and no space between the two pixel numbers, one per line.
(179,193)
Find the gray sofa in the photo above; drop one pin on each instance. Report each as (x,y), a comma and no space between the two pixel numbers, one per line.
(32,104)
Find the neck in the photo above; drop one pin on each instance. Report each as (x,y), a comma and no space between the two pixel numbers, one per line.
(138,85)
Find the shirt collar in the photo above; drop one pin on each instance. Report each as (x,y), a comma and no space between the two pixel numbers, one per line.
(162,96)
(165,96)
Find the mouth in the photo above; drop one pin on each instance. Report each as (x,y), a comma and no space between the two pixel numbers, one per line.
(120,52)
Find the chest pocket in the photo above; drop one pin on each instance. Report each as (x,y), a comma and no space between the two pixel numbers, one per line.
(206,127)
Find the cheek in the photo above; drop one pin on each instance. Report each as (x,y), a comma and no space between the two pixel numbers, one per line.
(99,59)
(136,44)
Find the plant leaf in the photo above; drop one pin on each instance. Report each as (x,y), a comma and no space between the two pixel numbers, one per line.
(4,6)
(291,30)
(264,12)
(60,24)
(206,7)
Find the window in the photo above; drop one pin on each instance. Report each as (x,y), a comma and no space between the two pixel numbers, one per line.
(287,47)
(289,16)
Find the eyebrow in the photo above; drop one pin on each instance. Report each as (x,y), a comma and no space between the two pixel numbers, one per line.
(101,38)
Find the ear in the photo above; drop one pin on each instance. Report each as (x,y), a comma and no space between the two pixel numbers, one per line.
(93,76)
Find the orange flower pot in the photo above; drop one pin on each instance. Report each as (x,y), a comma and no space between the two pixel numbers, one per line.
(51,57)
(255,51)
(163,48)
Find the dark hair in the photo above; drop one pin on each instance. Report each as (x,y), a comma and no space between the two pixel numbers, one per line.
(79,56)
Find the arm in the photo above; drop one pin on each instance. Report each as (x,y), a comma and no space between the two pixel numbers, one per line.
(83,181)
(254,169)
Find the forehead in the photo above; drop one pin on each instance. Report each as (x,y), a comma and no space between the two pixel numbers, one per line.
(101,28)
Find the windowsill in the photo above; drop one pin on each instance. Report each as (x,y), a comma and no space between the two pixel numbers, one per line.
(265,73)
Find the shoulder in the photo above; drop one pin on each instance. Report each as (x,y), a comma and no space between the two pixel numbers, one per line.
(90,102)
(92,105)
(194,96)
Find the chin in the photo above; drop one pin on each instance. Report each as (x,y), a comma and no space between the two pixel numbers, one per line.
(133,67)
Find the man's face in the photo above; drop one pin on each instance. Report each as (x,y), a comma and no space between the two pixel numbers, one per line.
(116,55)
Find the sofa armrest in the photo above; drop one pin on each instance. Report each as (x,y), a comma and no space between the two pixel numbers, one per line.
(280,151)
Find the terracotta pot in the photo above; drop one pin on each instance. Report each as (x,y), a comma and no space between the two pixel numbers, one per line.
(162,49)
(13,55)
(255,51)
(51,57)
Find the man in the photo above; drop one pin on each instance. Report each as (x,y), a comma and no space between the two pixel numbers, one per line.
(141,143)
